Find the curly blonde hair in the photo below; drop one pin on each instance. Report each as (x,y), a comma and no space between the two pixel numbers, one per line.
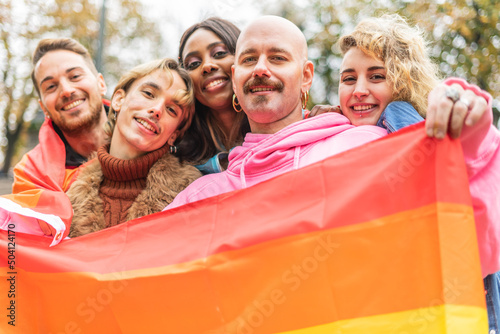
(186,99)
(405,54)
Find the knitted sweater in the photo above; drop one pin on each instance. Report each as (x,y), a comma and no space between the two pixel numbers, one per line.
(123,181)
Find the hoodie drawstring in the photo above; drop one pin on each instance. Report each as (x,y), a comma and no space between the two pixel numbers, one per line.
(242,170)
(296,157)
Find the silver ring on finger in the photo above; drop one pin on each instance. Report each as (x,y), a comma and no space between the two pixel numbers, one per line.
(465,102)
(452,94)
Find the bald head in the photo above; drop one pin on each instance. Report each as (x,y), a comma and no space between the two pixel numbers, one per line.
(271,73)
(276,26)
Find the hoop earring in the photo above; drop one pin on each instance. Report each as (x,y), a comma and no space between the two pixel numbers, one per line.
(173,149)
(236,104)
(304,98)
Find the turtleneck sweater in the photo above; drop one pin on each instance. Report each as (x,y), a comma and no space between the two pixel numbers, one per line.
(123,181)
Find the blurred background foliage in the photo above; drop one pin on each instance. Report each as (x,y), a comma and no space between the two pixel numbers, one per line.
(464,37)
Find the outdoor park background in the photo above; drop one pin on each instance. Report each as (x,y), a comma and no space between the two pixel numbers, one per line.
(464,39)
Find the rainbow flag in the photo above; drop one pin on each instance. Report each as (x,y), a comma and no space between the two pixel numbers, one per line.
(379,239)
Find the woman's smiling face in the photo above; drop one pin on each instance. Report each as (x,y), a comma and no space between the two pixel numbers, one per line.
(364,91)
(208,62)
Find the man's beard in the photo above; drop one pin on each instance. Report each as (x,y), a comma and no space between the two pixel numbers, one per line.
(77,127)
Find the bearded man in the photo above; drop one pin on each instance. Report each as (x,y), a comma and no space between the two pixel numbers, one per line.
(70,91)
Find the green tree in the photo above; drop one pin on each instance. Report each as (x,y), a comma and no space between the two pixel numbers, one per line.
(130,39)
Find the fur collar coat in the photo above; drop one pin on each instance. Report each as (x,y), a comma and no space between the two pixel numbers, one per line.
(167,177)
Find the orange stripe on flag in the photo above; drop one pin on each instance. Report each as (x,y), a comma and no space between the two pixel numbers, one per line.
(268,283)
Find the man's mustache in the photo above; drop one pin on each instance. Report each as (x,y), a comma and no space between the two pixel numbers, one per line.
(263,82)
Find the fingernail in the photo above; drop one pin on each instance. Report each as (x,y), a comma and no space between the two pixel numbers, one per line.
(439,134)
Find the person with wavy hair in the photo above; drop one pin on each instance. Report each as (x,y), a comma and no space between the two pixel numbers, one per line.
(206,51)
(385,60)
(404,51)
(386,77)
(136,174)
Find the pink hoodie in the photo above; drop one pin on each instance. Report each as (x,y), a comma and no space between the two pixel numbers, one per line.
(262,157)
(481,145)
